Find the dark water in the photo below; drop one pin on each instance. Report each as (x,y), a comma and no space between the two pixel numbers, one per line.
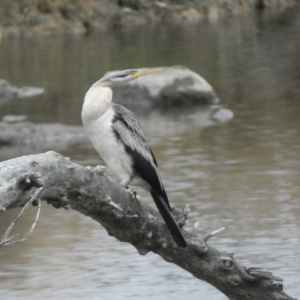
(243,175)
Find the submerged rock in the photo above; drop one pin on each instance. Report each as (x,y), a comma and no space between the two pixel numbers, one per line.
(16,132)
(172,86)
(14,118)
(223,115)
(10,92)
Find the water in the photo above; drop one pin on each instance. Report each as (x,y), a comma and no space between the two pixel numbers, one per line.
(243,175)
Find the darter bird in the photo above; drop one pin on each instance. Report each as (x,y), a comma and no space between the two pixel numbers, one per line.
(116,135)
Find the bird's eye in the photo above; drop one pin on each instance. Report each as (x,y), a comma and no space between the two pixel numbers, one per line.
(123,75)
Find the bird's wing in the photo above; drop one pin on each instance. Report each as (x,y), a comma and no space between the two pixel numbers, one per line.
(129,130)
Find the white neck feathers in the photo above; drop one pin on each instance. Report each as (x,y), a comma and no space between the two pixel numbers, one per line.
(96,102)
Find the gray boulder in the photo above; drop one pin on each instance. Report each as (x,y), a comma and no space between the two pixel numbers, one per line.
(172,86)
(16,130)
(9,92)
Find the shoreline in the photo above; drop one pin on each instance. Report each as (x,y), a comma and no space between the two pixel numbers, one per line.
(72,17)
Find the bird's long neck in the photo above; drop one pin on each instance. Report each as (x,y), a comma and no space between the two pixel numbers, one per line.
(96,102)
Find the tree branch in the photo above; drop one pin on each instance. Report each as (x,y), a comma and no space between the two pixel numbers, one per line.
(90,192)
(8,241)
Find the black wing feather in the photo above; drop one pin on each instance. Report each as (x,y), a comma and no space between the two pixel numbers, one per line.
(125,116)
(169,219)
(127,129)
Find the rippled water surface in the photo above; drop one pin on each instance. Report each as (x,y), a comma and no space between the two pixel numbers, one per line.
(243,175)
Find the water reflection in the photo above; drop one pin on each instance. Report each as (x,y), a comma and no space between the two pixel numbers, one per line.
(243,175)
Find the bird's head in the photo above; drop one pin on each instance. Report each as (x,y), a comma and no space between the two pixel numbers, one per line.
(123,76)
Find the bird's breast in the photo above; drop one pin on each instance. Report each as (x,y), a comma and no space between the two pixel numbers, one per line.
(109,147)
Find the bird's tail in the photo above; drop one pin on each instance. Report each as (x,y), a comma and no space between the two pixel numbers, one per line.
(165,212)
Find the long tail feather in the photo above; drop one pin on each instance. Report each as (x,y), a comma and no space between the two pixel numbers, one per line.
(166,214)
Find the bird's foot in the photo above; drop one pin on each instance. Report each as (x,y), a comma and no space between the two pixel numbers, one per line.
(125,184)
(132,193)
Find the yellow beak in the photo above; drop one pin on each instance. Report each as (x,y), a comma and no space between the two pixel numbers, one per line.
(138,74)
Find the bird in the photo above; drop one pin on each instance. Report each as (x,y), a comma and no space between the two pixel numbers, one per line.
(117,137)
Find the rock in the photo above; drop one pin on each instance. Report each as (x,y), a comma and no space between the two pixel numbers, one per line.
(223,115)
(14,118)
(62,16)
(205,116)
(28,133)
(29,91)
(172,86)
(9,92)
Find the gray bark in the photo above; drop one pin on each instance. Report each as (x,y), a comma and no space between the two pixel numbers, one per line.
(90,192)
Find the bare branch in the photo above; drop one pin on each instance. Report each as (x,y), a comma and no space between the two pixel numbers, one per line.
(8,241)
(211,234)
(90,192)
